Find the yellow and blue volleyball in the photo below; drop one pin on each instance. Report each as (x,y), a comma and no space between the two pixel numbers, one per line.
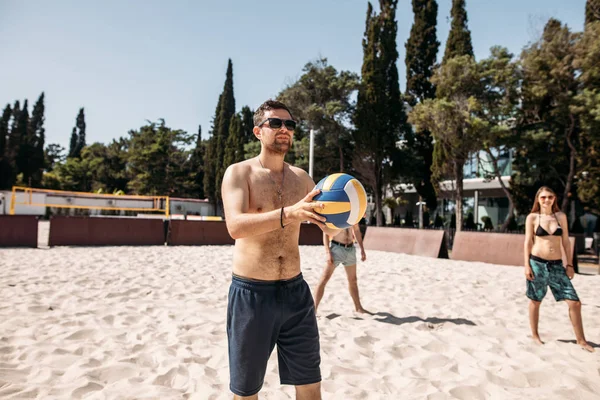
(344,198)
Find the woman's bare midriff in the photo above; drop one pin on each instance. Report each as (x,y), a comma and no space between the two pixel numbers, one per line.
(269,257)
(547,247)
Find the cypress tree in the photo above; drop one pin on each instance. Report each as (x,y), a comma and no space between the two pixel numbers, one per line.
(234,146)
(226,112)
(73,143)
(23,150)
(379,118)
(421,54)
(197,166)
(220,130)
(592,11)
(36,141)
(4,159)
(80,123)
(459,39)
(247,116)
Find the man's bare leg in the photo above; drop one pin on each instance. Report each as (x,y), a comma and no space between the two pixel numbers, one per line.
(325,276)
(576,320)
(353,287)
(309,392)
(534,317)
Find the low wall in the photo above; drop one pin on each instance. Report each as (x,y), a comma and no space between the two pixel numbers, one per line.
(190,233)
(85,231)
(418,242)
(496,248)
(18,231)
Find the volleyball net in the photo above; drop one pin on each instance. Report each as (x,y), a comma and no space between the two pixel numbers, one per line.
(43,198)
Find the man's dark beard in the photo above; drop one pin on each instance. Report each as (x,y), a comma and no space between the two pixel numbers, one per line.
(279,148)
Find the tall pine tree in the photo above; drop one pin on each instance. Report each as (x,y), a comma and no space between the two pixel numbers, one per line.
(459,38)
(216,148)
(379,118)
(80,123)
(234,146)
(23,150)
(73,143)
(421,54)
(78,140)
(5,169)
(197,167)
(35,142)
(592,11)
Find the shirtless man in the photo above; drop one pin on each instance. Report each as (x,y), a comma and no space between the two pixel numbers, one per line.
(342,251)
(265,200)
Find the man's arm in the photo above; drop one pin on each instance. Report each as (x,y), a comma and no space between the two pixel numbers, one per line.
(358,236)
(236,200)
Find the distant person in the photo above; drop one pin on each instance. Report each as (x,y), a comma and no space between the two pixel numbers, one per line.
(546,232)
(265,200)
(341,250)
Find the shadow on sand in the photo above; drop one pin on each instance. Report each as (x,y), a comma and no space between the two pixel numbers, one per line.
(391,319)
(594,345)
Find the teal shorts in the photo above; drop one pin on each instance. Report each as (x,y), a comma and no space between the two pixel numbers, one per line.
(549,273)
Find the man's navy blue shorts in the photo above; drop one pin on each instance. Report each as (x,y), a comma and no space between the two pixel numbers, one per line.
(261,314)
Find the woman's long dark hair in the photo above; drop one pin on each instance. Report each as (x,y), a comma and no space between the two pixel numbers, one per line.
(536,204)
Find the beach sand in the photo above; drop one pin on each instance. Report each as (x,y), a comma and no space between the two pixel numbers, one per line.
(149,323)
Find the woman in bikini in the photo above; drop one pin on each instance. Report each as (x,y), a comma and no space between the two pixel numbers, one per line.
(546,231)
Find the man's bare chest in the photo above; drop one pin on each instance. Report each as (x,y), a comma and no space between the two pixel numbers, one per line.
(267,195)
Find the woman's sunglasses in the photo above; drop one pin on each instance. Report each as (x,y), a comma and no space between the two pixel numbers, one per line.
(276,123)
(547,197)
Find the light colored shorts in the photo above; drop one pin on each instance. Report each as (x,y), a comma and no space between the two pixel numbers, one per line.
(343,255)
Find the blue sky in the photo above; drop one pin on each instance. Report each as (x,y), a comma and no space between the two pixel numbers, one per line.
(131,61)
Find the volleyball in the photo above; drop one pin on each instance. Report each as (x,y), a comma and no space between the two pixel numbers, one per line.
(344,198)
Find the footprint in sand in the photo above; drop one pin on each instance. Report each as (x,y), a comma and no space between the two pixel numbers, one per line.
(82,391)
(468,393)
(83,334)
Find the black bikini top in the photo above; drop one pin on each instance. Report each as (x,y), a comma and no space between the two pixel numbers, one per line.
(542,232)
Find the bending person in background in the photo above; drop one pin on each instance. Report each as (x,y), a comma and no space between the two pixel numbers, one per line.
(342,251)
(546,231)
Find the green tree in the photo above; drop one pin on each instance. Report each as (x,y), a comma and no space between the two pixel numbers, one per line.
(247,119)
(234,145)
(73,143)
(53,155)
(459,39)
(452,120)
(499,96)
(214,169)
(549,127)
(421,54)
(592,11)
(379,118)
(196,186)
(23,150)
(35,141)
(588,108)
(157,164)
(321,99)
(5,167)
(78,140)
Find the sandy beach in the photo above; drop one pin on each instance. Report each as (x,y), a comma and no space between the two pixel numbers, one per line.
(149,323)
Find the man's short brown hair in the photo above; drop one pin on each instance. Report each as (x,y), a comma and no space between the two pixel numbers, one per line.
(259,114)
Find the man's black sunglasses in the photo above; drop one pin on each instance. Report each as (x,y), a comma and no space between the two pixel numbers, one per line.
(275,123)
